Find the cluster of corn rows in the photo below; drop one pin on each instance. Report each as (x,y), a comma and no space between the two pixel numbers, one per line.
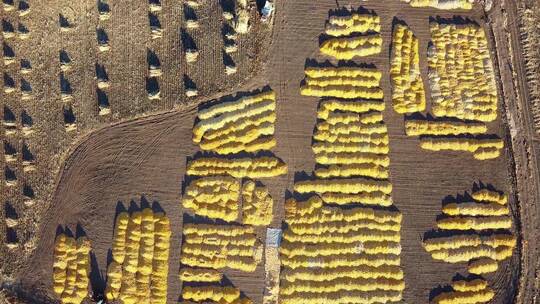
(442,4)
(206,249)
(245,125)
(347,228)
(140,258)
(340,255)
(218,197)
(466,291)
(350,146)
(481,236)
(229,128)
(462,88)
(70,269)
(352,35)
(408,94)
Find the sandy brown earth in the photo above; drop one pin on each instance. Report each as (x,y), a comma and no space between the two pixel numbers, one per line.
(143,161)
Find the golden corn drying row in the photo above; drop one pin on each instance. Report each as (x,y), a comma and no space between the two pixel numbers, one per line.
(213,197)
(408,94)
(221,246)
(140,258)
(342,82)
(466,291)
(423,127)
(482,148)
(351,36)
(442,4)
(257,205)
(339,26)
(252,167)
(215,294)
(71,268)
(461,73)
(481,232)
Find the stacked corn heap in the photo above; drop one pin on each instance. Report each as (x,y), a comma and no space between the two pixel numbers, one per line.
(140,258)
(70,269)
(342,245)
(340,255)
(455,135)
(479,235)
(228,129)
(343,82)
(461,72)
(466,290)
(408,94)
(353,35)
(462,87)
(208,249)
(442,4)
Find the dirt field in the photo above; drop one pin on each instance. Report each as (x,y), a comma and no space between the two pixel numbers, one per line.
(143,161)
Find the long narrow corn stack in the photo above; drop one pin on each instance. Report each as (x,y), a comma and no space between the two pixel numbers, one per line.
(442,4)
(343,82)
(408,94)
(140,258)
(71,269)
(221,246)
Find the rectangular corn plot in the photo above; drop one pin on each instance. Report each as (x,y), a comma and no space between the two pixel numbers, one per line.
(461,74)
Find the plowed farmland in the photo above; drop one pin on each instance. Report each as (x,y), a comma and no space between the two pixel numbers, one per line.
(151,176)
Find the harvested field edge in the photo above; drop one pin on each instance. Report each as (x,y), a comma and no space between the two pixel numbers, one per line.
(521,134)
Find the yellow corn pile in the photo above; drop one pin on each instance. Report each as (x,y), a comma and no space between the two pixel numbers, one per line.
(346,48)
(140,258)
(213,197)
(442,4)
(422,127)
(221,246)
(461,73)
(408,94)
(333,254)
(338,26)
(466,291)
(352,35)
(246,124)
(481,148)
(200,275)
(257,204)
(481,232)
(251,167)
(342,82)
(70,269)
(215,294)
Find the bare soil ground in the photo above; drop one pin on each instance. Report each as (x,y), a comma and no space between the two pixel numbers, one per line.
(143,161)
